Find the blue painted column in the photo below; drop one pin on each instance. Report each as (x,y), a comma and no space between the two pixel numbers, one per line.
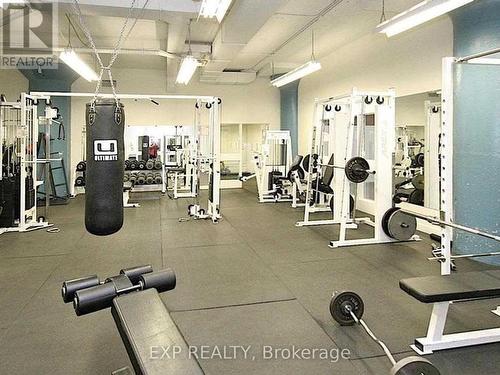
(58,80)
(289,106)
(477,128)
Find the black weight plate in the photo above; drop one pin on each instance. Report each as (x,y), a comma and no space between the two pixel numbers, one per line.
(81,166)
(306,161)
(356,169)
(351,203)
(414,366)
(416,197)
(401,226)
(418,182)
(419,158)
(338,306)
(385,219)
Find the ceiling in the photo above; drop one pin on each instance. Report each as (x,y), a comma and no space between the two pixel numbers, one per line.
(256,36)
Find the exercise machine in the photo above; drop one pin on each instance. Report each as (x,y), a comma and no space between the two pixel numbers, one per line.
(272,166)
(328,147)
(207,160)
(19,166)
(347,309)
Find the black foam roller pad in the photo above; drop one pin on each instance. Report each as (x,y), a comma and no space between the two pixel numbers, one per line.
(93,299)
(161,280)
(134,273)
(105,168)
(69,287)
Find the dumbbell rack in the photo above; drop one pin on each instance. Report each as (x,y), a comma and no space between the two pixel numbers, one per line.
(144,187)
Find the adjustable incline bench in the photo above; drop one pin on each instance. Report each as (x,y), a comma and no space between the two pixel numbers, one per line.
(441,291)
(142,319)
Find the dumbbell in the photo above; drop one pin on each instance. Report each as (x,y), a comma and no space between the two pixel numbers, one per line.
(141,165)
(80,181)
(81,166)
(141,178)
(133,164)
(89,294)
(158,179)
(158,164)
(127,164)
(150,164)
(347,309)
(126,177)
(133,178)
(150,179)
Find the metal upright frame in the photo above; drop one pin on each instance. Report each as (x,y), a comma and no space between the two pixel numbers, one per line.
(436,339)
(338,112)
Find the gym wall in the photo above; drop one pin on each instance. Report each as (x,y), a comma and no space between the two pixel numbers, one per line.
(410,63)
(13,83)
(258,102)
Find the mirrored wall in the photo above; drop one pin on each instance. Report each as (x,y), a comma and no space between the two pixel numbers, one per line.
(416,158)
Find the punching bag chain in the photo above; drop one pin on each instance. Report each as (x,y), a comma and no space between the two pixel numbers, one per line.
(116,50)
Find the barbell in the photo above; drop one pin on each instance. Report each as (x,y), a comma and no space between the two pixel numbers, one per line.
(357,169)
(402,224)
(347,309)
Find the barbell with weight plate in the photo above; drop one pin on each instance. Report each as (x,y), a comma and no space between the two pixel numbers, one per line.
(402,225)
(357,169)
(347,309)
(398,225)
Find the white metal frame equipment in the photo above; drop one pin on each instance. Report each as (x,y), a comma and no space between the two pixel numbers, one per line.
(274,157)
(436,339)
(331,121)
(211,155)
(19,126)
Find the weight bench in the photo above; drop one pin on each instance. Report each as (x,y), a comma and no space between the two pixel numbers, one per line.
(441,291)
(148,331)
(153,342)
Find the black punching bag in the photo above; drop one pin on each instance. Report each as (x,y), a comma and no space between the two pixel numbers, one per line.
(105,168)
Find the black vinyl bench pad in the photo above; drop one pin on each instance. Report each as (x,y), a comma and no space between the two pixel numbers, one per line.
(456,287)
(145,323)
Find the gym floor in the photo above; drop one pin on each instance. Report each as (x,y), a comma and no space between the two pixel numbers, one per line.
(253,279)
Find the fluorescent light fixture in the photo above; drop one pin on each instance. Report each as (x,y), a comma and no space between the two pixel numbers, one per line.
(485,61)
(419,14)
(187,69)
(214,8)
(72,60)
(302,71)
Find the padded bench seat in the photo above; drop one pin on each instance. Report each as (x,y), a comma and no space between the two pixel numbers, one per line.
(456,287)
(145,323)
(176,170)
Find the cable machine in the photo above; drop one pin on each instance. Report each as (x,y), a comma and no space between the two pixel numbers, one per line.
(19,166)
